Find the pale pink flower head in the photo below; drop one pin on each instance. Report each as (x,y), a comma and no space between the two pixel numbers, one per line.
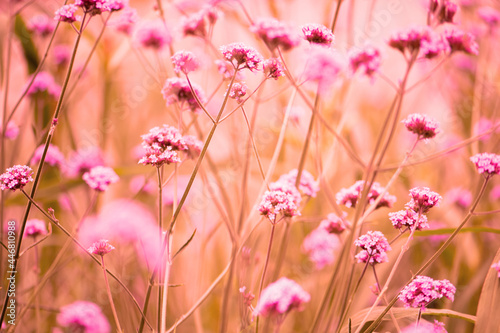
(333,224)
(83,160)
(408,218)
(11,131)
(45,83)
(483,125)
(423,199)
(194,25)
(275,33)
(41,25)
(185,62)
(126,20)
(281,297)
(460,41)
(101,247)
(93,7)
(425,327)
(496,266)
(489,15)
(16,177)
(242,56)
(308,185)
(238,91)
(194,146)
(324,66)
(35,228)
(226,69)
(320,246)
(158,157)
(62,54)
(422,125)
(54,156)
(83,316)
(423,290)
(367,59)
(153,35)
(447,12)
(278,203)
(116,5)
(100,177)
(177,90)
(487,164)
(164,137)
(459,196)
(373,246)
(318,34)
(273,68)
(349,196)
(411,39)
(434,46)
(66,14)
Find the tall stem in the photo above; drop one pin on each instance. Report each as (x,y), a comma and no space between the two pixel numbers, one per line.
(110,296)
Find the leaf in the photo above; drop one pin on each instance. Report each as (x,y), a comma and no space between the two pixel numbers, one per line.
(29,49)
(185,244)
(489,302)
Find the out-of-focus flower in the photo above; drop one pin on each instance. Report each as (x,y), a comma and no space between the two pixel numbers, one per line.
(197,24)
(367,59)
(373,246)
(277,202)
(153,35)
(422,125)
(177,90)
(242,56)
(62,54)
(489,15)
(66,14)
(101,247)
(143,184)
(83,160)
(54,156)
(116,5)
(16,177)
(320,246)
(83,316)
(423,290)
(460,41)
(44,83)
(349,196)
(308,185)
(487,163)
(100,177)
(333,224)
(41,25)
(238,91)
(281,297)
(273,68)
(483,125)
(93,7)
(194,146)
(410,40)
(423,199)
(318,34)
(227,70)
(11,131)
(126,20)
(35,228)
(275,33)
(425,327)
(324,66)
(459,196)
(497,267)
(185,62)
(408,218)
(447,12)
(495,193)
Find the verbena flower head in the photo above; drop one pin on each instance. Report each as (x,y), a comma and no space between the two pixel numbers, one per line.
(425,327)
(41,25)
(194,25)
(116,5)
(349,196)
(308,185)
(163,137)
(194,146)
(459,196)
(275,33)
(489,15)
(422,199)
(45,83)
(83,160)
(242,56)
(177,90)
(318,34)
(496,266)
(487,163)
(447,12)
(101,247)
(434,46)
(333,224)
(460,41)
(100,177)
(227,70)
(11,131)
(422,125)
(320,246)
(408,218)
(373,246)
(281,297)
(410,40)
(83,316)
(324,66)
(366,59)
(158,157)
(16,177)
(277,202)
(35,228)
(185,62)
(62,54)
(238,91)
(153,35)
(66,14)
(126,20)
(54,156)
(93,7)
(423,290)
(273,68)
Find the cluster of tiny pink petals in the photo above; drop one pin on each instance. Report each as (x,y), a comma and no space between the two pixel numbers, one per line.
(349,196)
(194,146)
(281,297)
(16,177)
(11,131)
(157,157)
(373,246)
(425,327)
(164,136)
(238,91)
(62,54)
(83,160)
(242,56)
(423,199)
(116,5)
(93,7)
(333,224)
(177,90)
(41,25)
(83,316)
(497,267)
(318,34)
(284,185)
(101,247)
(408,218)
(308,185)
(489,15)
(196,24)
(226,69)
(422,125)
(447,12)
(54,156)
(275,33)
(434,46)
(273,68)
(320,245)
(459,196)
(423,290)
(487,163)
(35,228)
(126,20)
(460,41)
(323,66)
(367,59)
(277,202)
(410,39)
(153,35)
(66,14)
(99,178)
(44,82)
(185,62)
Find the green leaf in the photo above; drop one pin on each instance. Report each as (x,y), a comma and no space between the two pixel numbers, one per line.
(29,49)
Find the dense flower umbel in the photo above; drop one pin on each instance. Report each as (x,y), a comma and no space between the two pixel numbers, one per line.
(273,68)
(349,196)
(333,224)
(41,25)
(100,177)
(93,7)
(83,160)
(197,24)
(320,246)
(460,41)
(323,66)
(44,82)
(318,34)
(281,297)
(275,33)
(278,202)
(101,247)
(242,56)
(497,267)
(82,316)
(54,156)
(423,290)
(422,125)
(194,146)
(373,246)
(487,163)
(158,157)
(178,90)
(162,143)
(408,218)
(238,91)
(163,137)
(35,227)
(185,62)
(126,20)
(425,327)
(447,12)
(66,14)
(367,59)
(423,199)
(410,40)
(16,177)
(308,185)
(153,35)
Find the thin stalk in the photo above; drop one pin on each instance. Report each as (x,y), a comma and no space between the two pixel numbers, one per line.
(110,297)
(336,16)
(160,230)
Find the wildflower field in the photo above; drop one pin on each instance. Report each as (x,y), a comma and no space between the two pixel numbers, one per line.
(249,166)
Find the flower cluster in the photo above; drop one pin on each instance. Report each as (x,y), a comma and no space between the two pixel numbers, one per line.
(153,35)
(423,199)
(100,177)
(318,34)
(83,316)
(487,163)
(489,15)
(497,267)
(320,246)
(66,14)
(238,91)
(425,327)
(460,41)
(16,177)
(197,24)
(324,66)
(41,25)
(408,218)
(44,83)
(101,247)
(54,156)
(177,90)
(278,202)
(273,68)
(373,246)
(275,34)
(83,160)
(241,56)
(349,196)
(423,290)
(422,125)
(185,62)
(333,223)
(281,297)
(308,185)
(126,20)
(367,59)
(35,227)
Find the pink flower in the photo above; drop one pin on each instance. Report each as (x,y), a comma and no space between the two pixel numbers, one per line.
(308,185)
(410,40)
(83,316)
(423,290)
(100,177)
(153,35)
(349,197)
(495,193)
(177,90)
(497,267)
(324,67)
(54,156)
(487,163)
(408,218)
(163,137)
(422,199)
(41,25)
(281,297)
(194,146)
(227,70)
(367,59)
(101,247)
(434,46)
(275,33)
(126,20)
(158,157)
(422,125)
(273,68)
(333,224)
(11,131)
(241,56)
(16,177)
(93,7)
(459,196)
(373,246)
(44,83)
(185,62)
(62,54)
(278,202)
(425,327)
(238,91)
(447,12)
(320,246)
(83,160)
(460,41)
(35,227)
(66,14)
(318,34)
(489,15)
(116,5)
(483,125)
